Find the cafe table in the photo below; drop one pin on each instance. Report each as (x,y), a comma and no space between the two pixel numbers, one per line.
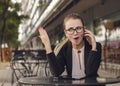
(66,81)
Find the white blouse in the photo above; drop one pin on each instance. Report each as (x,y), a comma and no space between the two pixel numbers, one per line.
(78,67)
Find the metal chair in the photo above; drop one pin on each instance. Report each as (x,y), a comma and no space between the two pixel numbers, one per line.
(17,68)
(24,65)
(47,70)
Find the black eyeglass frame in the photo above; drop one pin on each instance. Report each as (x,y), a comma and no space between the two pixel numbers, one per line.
(78,29)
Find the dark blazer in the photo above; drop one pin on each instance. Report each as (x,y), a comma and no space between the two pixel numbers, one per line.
(64,60)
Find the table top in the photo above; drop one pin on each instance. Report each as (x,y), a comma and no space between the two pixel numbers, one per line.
(68,81)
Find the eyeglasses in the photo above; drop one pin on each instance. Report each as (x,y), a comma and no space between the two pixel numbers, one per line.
(71,30)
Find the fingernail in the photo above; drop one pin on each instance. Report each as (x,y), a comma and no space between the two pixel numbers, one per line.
(39,27)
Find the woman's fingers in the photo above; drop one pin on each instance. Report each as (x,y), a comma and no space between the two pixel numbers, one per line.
(88,32)
(45,39)
(89,36)
(43,35)
(41,30)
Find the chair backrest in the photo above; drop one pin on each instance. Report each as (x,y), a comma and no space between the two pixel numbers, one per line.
(41,55)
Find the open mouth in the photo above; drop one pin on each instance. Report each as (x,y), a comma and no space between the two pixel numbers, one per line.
(76,38)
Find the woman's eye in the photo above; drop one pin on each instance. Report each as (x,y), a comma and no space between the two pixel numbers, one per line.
(70,29)
(78,28)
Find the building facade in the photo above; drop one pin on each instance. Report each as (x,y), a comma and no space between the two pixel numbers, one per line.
(100,16)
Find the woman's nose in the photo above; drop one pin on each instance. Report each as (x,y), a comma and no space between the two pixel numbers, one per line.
(75,32)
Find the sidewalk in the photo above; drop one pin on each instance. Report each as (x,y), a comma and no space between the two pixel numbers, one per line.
(4,65)
(5,74)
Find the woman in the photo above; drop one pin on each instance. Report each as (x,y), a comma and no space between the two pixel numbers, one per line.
(80,55)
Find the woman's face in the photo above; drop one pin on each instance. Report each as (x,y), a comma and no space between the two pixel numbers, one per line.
(74,31)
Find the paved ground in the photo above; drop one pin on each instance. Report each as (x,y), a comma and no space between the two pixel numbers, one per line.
(5,75)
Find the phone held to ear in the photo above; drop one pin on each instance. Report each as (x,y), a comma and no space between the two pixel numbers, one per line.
(85,37)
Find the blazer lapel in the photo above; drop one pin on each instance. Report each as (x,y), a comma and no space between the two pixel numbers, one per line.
(69,59)
(86,53)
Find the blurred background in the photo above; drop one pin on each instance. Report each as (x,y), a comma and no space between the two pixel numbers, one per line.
(21,18)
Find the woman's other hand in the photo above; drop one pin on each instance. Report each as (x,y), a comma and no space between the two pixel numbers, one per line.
(90,38)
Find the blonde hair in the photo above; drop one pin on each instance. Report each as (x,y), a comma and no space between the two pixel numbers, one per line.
(59,46)
(73,16)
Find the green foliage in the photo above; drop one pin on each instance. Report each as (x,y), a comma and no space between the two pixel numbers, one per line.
(9,23)
(96,31)
(42,4)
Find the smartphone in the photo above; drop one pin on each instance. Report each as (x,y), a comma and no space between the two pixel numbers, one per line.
(85,37)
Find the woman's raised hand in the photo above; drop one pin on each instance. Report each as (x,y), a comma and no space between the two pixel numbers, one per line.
(45,39)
